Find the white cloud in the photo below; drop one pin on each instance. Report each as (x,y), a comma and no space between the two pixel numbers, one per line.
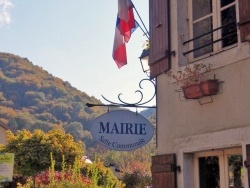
(5,5)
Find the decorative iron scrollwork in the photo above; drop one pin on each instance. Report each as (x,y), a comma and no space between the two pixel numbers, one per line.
(139,104)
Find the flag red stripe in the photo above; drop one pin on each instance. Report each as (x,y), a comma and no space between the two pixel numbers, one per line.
(120,56)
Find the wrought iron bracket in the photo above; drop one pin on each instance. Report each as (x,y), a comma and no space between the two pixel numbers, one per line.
(122,103)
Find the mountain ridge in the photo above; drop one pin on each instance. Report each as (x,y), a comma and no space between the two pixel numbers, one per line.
(31,98)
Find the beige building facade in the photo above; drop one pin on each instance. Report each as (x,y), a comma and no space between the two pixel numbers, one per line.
(202,142)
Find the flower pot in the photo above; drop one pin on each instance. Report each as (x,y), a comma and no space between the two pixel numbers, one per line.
(209,87)
(192,91)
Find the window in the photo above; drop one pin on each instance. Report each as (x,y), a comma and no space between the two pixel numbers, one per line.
(212,26)
(222,169)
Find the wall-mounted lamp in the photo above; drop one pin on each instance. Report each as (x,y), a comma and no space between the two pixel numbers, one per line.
(144,61)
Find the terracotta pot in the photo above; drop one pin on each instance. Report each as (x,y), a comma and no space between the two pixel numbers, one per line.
(209,87)
(192,91)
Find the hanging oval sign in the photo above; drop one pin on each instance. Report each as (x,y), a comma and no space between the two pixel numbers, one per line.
(122,130)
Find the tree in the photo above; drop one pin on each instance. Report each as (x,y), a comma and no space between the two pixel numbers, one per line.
(32,150)
(75,129)
(136,175)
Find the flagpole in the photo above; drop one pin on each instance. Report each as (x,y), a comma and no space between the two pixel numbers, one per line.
(145,33)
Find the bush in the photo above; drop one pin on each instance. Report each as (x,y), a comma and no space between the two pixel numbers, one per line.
(32,150)
(136,175)
(101,176)
(17,179)
(81,175)
(136,180)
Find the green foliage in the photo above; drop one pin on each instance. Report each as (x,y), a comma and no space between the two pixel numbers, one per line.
(136,180)
(81,175)
(1,147)
(101,176)
(70,177)
(75,129)
(136,175)
(31,98)
(32,150)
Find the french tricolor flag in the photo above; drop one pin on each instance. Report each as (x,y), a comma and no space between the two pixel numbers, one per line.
(125,25)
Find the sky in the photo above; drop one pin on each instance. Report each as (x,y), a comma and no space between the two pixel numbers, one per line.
(73,40)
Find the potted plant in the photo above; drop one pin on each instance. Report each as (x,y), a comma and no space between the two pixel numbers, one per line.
(194,83)
(209,87)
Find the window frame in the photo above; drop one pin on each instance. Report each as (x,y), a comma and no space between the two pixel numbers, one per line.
(216,22)
(223,164)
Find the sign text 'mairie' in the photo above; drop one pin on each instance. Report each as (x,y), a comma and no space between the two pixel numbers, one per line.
(123,128)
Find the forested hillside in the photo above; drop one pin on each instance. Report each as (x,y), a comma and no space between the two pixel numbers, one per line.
(31,98)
